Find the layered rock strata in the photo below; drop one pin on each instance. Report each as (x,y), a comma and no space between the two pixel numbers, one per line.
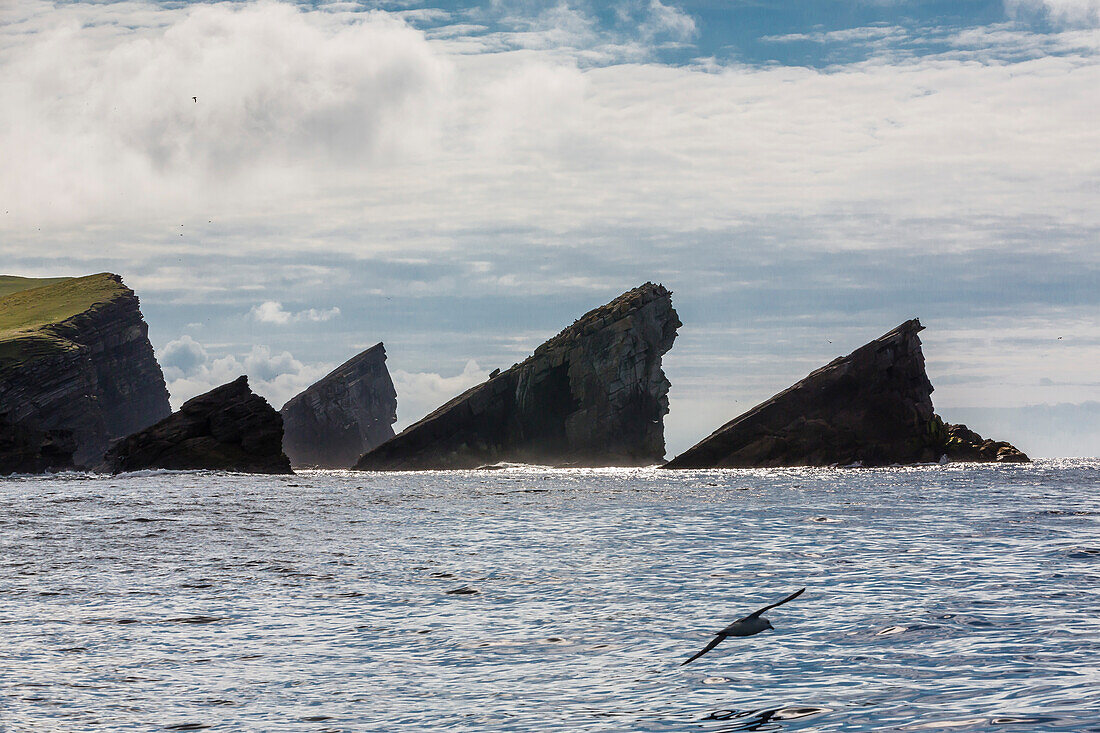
(872,407)
(964,445)
(594,395)
(25,450)
(343,415)
(227,429)
(75,356)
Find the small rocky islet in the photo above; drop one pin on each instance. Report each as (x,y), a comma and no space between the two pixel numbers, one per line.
(80,388)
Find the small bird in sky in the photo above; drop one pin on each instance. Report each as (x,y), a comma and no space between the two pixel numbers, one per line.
(754,623)
(196,99)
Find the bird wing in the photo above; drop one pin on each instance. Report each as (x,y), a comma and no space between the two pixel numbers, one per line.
(791,597)
(713,643)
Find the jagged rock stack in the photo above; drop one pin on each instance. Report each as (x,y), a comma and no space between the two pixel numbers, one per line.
(75,356)
(229,429)
(342,416)
(870,408)
(77,371)
(593,395)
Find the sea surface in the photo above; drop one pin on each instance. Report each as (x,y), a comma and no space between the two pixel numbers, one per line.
(962,598)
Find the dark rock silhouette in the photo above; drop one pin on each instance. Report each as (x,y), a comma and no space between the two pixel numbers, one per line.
(75,356)
(343,415)
(594,395)
(25,450)
(963,444)
(227,429)
(872,407)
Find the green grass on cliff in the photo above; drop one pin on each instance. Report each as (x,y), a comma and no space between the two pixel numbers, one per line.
(26,312)
(13,283)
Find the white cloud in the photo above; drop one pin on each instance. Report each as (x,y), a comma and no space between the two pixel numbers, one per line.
(183,356)
(862,34)
(1063,12)
(667,20)
(418,393)
(190,370)
(272,311)
(101,114)
(347,133)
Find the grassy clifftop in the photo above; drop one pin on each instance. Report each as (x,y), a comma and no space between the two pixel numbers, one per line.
(29,306)
(13,283)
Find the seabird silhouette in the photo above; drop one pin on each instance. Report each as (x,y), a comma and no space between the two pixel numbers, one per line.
(754,623)
(195,98)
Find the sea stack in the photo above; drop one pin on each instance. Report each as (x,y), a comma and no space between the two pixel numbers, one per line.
(594,395)
(75,357)
(871,408)
(227,429)
(344,415)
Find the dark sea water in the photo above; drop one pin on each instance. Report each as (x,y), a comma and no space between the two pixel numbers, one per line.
(962,598)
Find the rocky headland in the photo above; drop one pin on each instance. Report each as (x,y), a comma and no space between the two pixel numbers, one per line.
(870,408)
(75,357)
(342,416)
(594,395)
(227,429)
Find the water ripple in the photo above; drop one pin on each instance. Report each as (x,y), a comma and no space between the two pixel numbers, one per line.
(939,598)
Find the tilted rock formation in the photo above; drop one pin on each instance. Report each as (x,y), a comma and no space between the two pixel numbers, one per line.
(227,429)
(25,450)
(593,395)
(963,444)
(342,416)
(75,356)
(872,407)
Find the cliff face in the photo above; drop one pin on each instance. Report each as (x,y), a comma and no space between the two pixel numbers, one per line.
(593,395)
(342,416)
(24,450)
(872,407)
(75,356)
(227,429)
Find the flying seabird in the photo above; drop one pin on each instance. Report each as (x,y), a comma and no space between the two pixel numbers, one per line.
(754,623)
(195,98)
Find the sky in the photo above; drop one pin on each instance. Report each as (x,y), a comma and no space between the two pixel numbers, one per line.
(286,184)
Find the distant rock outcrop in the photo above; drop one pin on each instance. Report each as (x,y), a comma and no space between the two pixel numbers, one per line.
(227,429)
(593,395)
(342,416)
(963,444)
(75,356)
(872,407)
(25,450)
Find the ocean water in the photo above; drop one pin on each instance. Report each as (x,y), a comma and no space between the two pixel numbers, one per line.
(963,598)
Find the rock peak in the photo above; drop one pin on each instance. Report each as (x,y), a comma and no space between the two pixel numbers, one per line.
(342,416)
(593,395)
(872,407)
(228,428)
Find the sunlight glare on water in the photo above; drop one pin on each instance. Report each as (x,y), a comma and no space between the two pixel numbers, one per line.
(938,598)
